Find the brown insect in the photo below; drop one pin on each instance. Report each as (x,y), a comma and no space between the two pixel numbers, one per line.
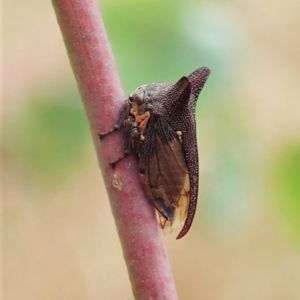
(159,124)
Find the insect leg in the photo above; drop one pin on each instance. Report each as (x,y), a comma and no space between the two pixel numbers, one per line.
(123,114)
(127,129)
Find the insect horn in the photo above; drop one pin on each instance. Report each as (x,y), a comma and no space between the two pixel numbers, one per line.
(197,80)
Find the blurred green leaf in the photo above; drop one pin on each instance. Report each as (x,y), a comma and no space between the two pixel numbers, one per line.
(49,139)
(285,187)
(151,43)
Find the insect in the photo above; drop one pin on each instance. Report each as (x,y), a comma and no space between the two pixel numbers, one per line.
(159,124)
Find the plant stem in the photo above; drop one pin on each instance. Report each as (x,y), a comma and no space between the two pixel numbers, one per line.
(102,96)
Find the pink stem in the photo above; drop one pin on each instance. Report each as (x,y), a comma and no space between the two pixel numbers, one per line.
(102,95)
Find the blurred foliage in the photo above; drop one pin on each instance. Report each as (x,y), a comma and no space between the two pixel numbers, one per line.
(285,187)
(49,137)
(145,43)
(156,41)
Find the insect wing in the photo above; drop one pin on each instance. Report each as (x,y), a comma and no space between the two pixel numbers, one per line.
(165,175)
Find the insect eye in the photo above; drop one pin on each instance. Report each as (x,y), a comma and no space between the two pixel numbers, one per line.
(137,99)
